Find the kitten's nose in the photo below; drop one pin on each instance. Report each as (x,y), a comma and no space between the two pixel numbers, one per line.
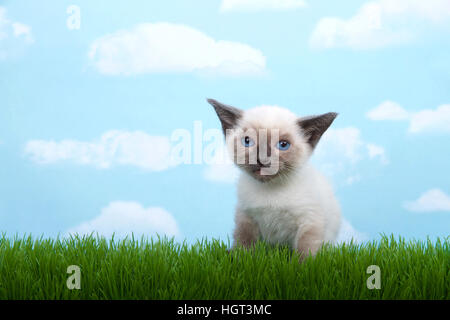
(264,152)
(264,164)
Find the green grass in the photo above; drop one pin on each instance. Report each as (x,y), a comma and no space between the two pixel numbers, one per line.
(162,269)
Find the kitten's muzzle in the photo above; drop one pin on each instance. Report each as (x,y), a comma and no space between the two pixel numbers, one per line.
(262,164)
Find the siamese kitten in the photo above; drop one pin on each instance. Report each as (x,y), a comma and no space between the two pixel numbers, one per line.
(281,198)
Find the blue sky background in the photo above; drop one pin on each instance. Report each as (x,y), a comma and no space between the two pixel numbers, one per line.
(51,90)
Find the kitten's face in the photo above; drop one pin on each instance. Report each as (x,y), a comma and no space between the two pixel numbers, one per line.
(268,142)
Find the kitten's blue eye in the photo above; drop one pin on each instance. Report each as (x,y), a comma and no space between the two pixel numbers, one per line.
(247,141)
(283,145)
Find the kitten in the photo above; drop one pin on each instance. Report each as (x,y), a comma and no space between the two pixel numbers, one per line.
(281,198)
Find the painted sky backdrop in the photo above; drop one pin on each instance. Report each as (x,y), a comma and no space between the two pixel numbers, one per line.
(91,93)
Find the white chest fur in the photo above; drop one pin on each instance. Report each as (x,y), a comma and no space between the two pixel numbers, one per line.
(276,225)
(283,210)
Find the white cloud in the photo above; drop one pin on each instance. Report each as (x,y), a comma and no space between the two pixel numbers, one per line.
(432,200)
(347,232)
(124,218)
(259,5)
(221,168)
(376,151)
(113,148)
(345,144)
(379,23)
(167,47)
(341,150)
(427,120)
(22,30)
(388,110)
(13,35)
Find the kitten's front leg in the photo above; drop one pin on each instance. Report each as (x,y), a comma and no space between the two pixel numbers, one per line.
(309,240)
(246,232)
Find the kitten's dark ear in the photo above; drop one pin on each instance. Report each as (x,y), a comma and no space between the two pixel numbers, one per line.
(314,126)
(228,115)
